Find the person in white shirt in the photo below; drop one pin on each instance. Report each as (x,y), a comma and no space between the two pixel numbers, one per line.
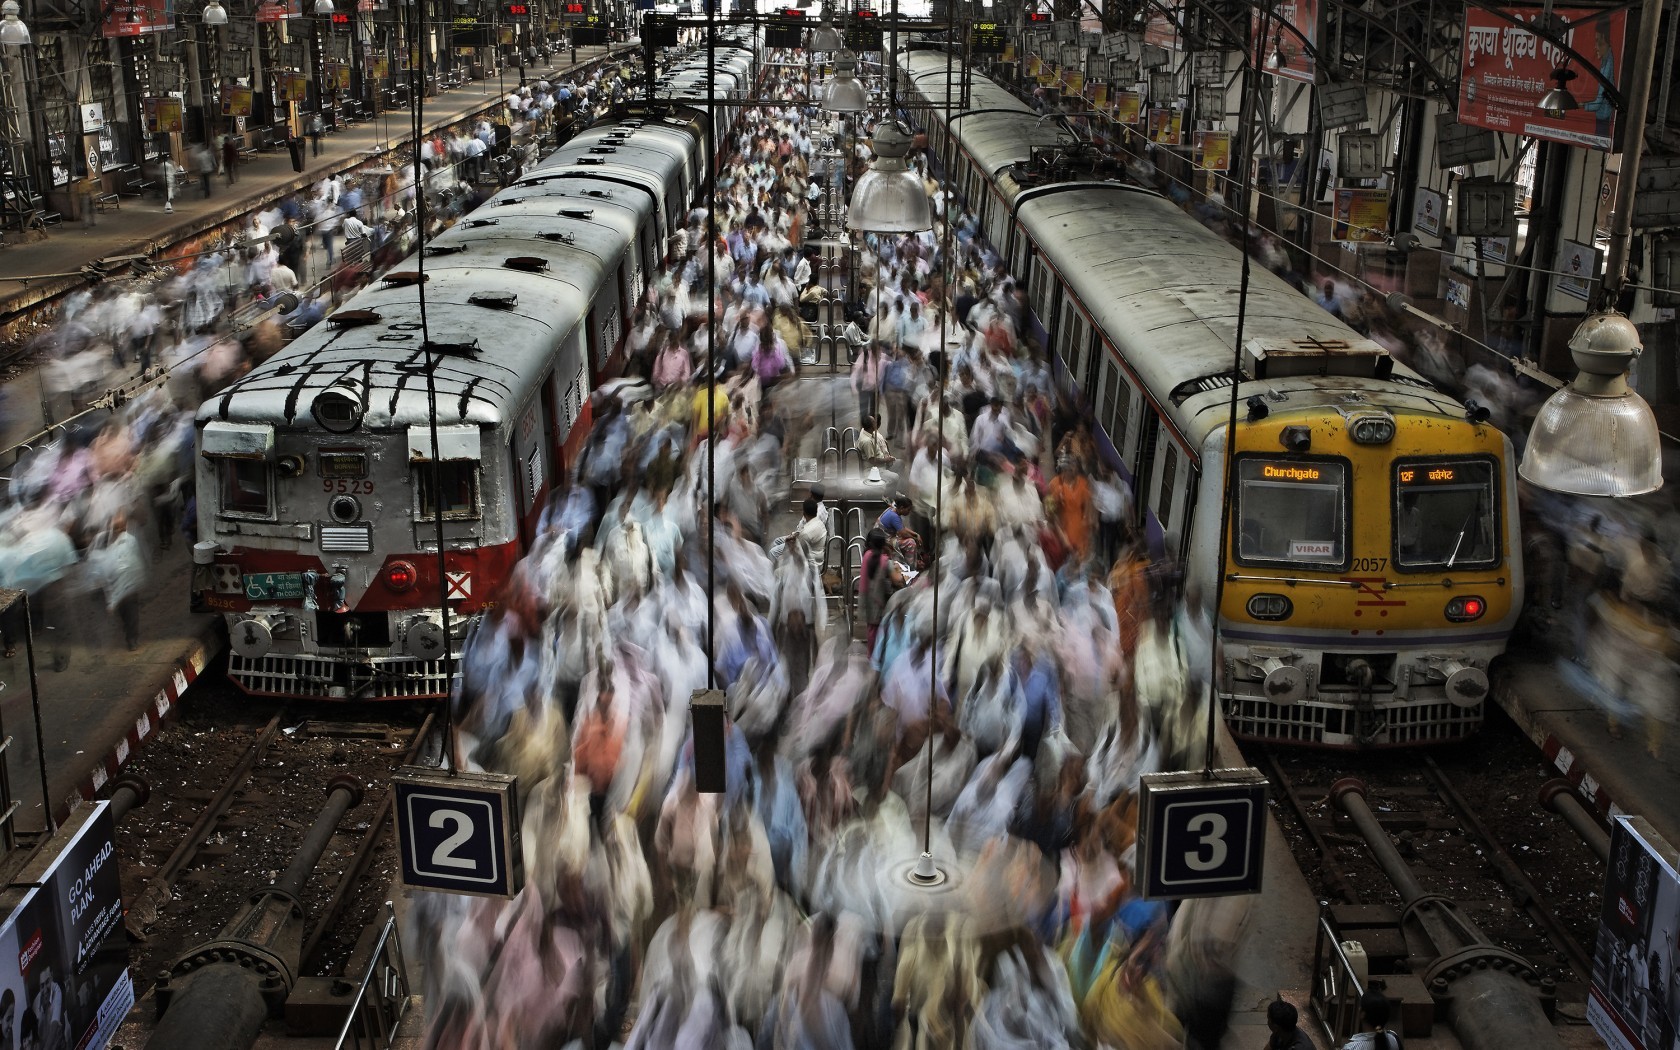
(355,229)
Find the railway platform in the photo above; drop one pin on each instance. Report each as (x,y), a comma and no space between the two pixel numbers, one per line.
(1615,772)
(141,225)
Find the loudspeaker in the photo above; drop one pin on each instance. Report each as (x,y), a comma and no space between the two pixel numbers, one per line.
(706,711)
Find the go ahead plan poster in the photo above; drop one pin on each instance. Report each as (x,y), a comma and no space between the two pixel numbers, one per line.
(63,956)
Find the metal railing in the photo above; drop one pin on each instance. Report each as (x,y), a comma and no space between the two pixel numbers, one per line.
(382,998)
(1336,987)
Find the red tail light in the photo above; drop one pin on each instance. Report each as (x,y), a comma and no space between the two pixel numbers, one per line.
(1466,608)
(400,576)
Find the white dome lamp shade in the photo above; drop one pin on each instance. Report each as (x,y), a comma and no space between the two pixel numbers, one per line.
(826,38)
(1596,437)
(845,93)
(323,7)
(215,14)
(889,197)
(12,29)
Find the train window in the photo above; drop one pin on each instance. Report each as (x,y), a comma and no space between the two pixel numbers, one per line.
(1109,385)
(245,487)
(1292,512)
(1122,411)
(458,481)
(1445,515)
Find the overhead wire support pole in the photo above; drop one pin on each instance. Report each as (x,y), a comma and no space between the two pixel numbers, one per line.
(1226,503)
(711,342)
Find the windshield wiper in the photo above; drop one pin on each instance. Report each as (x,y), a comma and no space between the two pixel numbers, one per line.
(1462,532)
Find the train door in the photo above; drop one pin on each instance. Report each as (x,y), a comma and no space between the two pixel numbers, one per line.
(569,394)
(1112,406)
(1073,343)
(1171,477)
(1041,294)
(531,470)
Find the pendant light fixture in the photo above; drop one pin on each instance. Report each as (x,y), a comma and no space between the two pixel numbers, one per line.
(889,197)
(1596,437)
(827,38)
(1559,100)
(323,8)
(215,14)
(12,29)
(845,93)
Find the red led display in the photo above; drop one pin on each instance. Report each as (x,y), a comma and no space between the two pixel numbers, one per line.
(792,12)
(1038,16)
(517,10)
(575,9)
(340,18)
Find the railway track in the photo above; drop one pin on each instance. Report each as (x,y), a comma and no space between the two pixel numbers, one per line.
(229,806)
(1467,821)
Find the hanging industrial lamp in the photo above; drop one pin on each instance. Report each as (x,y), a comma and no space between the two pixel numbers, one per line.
(827,38)
(889,197)
(1596,437)
(215,14)
(12,29)
(845,93)
(1559,100)
(323,7)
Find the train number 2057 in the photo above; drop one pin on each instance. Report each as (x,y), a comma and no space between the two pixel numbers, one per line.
(1368,564)
(353,486)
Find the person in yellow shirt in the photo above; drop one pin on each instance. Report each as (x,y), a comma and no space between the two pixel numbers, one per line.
(720,408)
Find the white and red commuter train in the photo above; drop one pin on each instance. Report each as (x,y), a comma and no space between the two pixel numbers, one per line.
(318,503)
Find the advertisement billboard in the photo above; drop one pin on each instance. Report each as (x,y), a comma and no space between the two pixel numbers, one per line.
(137,17)
(1361,216)
(1286,39)
(1505,69)
(163,115)
(63,952)
(279,10)
(1634,984)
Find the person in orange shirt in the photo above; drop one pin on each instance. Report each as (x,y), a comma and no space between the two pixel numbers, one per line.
(597,746)
(1075,513)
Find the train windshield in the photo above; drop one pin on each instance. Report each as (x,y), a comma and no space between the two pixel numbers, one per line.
(1444,515)
(1292,512)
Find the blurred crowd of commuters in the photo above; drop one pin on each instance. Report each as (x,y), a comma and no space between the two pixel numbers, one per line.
(1059,666)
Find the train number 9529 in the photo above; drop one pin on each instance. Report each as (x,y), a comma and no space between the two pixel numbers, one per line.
(351,486)
(1368,564)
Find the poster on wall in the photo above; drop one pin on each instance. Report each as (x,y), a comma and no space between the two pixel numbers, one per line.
(1577,266)
(163,115)
(236,102)
(1166,126)
(63,952)
(1427,207)
(1213,150)
(1361,216)
(1286,39)
(1633,977)
(1504,68)
(1128,106)
(137,17)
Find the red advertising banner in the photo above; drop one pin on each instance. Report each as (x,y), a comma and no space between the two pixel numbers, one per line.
(279,10)
(1505,69)
(138,17)
(1286,41)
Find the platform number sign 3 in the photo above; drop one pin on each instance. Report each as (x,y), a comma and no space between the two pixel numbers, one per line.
(459,832)
(1202,836)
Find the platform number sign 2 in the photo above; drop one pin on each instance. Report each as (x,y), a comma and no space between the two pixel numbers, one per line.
(459,832)
(1202,835)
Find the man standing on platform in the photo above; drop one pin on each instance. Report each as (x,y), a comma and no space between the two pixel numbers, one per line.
(230,158)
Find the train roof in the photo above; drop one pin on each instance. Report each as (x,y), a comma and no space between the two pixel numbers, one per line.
(996,128)
(1165,290)
(503,287)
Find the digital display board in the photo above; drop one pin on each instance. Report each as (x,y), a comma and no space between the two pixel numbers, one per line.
(987,38)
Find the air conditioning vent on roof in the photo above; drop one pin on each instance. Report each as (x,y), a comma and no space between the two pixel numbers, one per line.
(590,160)
(404,278)
(494,300)
(600,195)
(478,224)
(435,250)
(578,213)
(558,238)
(353,318)
(526,263)
(1317,357)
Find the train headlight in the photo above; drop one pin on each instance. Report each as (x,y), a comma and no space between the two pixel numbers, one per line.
(400,576)
(1465,608)
(1270,607)
(344,509)
(337,409)
(1372,430)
